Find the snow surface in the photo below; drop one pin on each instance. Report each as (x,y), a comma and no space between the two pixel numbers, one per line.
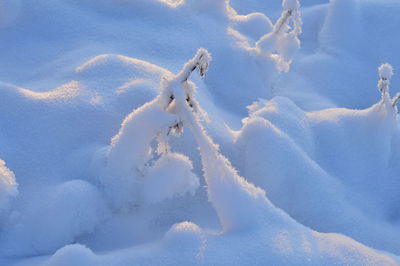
(8,187)
(270,146)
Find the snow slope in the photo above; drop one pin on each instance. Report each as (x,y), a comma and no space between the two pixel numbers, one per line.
(114,160)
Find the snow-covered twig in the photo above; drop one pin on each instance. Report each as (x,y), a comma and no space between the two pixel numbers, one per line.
(129,175)
(395,99)
(385,74)
(181,80)
(239,204)
(283,41)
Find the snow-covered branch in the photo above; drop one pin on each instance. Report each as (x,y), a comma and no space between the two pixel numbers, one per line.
(385,74)
(181,80)
(395,99)
(239,204)
(283,41)
(132,171)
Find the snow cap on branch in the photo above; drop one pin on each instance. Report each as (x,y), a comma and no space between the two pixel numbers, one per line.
(199,61)
(204,59)
(385,74)
(385,71)
(291,4)
(283,42)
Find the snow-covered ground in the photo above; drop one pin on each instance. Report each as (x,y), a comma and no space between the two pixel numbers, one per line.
(199,132)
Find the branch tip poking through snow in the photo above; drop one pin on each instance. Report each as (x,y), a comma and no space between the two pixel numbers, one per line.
(385,71)
(239,204)
(283,42)
(396,99)
(385,74)
(133,172)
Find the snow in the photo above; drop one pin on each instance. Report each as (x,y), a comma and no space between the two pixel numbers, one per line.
(213,132)
(290,4)
(172,176)
(8,186)
(385,71)
(73,255)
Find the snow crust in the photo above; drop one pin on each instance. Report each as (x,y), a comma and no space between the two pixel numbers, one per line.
(117,154)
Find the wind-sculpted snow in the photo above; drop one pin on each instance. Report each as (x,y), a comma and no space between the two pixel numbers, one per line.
(245,213)
(333,184)
(121,162)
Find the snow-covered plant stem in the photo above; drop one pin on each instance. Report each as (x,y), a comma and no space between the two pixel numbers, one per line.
(130,147)
(291,11)
(200,61)
(385,74)
(395,99)
(235,200)
(238,203)
(282,42)
(128,171)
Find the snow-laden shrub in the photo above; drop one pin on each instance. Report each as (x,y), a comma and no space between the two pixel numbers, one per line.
(283,42)
(240,205)
(8,186)
(134,175)
(170,176)
(385,74)
(246,214)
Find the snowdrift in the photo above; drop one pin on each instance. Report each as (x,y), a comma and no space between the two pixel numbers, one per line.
(120,161)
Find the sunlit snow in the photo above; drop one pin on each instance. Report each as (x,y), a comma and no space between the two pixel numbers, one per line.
(199,132)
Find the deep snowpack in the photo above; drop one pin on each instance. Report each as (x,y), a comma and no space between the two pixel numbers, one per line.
(199,132)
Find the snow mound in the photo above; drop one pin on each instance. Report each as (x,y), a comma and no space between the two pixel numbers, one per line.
(76,207)
(325,152)
(170,176)
(75,254)
(288,117)
(184,235)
